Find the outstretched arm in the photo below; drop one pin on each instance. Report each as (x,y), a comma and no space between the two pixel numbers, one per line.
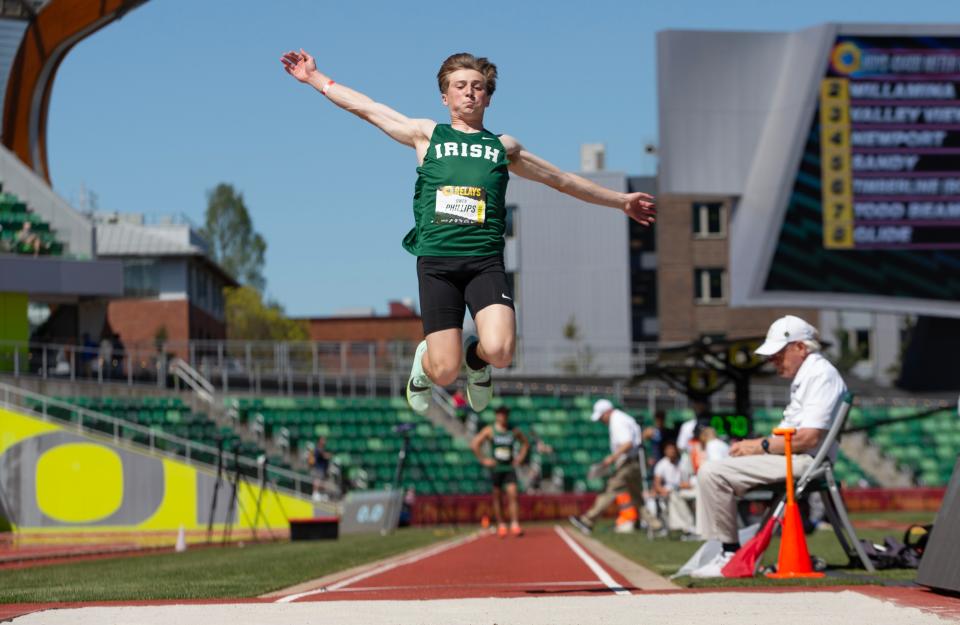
(638,206)
(413,132)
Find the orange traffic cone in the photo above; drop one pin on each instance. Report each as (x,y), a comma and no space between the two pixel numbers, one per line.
(794,558)
(626,511)
(485,522)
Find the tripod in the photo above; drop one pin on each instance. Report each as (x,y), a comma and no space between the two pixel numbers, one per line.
(216,489)
(234,498)
(404,429)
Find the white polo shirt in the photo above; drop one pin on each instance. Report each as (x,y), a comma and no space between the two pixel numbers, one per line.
(624,429)
(813,392)
(671,475)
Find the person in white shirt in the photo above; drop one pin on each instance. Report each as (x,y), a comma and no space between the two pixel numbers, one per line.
(793,348)
(672,484)
(625,441)
(714,448)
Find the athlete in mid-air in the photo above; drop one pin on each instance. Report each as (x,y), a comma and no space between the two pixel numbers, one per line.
(502,464)
(460,216)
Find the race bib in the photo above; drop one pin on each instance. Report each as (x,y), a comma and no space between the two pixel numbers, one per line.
(465,206)
(502,454)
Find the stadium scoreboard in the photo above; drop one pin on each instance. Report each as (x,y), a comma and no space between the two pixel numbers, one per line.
(875,205)
(890,146)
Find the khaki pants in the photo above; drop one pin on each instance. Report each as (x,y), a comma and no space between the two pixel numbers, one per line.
(680,510)
(720,482)
(627,477)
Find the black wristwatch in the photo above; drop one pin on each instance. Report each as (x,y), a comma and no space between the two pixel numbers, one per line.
(765,445)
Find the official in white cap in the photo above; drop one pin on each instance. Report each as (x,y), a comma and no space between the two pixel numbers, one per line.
(625,456)
(816,386)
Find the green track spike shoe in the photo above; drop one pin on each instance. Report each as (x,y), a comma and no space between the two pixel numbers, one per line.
(479,381)
(419,386)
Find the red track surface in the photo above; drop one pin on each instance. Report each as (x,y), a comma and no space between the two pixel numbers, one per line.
(539,563)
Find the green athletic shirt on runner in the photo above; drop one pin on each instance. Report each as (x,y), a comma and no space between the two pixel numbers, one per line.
(458,201)
(503,449)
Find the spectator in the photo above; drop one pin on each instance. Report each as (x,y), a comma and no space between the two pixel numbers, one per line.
(27,238)
(459,405)
(319,462)
(714,448)
(87,354)
(657,434)
(406,508)
(106,355)
(673,486)
(625,440)
(539,460)
(792,347)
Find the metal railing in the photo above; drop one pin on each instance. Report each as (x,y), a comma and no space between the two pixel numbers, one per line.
(352,369)
(259,366)
(192,378)
(121,432)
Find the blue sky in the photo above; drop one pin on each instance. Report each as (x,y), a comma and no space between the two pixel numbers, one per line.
(179,95)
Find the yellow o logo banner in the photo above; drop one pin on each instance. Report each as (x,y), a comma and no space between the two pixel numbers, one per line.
(79,482)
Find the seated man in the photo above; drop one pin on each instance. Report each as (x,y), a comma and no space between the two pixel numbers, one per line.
(816,387)
(672,484)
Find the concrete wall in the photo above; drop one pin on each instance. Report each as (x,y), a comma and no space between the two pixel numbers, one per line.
(883,331)
(714,90)
(54,478)
(572,262)
(60,276)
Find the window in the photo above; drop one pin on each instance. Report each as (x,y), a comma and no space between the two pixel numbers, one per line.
(708,286)
(862,347)
(140,277)
(218,298)
(510,217)
(709,220)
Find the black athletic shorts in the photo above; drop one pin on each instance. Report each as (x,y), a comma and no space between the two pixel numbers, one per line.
(450,284)
(499,479)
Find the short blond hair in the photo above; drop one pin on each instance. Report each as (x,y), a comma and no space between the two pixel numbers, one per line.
(465,60)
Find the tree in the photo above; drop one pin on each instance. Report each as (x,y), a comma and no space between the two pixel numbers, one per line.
(249,318)
(233,242)
(581,361)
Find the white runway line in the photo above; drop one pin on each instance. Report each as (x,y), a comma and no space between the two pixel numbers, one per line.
(594,566)
(377,570)
(586,582)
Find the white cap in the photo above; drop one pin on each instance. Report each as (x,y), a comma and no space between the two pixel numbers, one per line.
(786,330)
(600,407)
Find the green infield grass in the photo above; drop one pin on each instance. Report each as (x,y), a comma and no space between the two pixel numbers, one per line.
(665,556)
(207,572)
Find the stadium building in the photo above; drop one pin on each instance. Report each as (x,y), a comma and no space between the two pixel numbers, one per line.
(806,147)
(579,306)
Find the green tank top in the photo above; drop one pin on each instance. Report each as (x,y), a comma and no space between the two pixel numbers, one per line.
(458,201)
(503,449)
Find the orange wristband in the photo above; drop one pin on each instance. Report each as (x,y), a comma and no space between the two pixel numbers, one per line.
(327,86)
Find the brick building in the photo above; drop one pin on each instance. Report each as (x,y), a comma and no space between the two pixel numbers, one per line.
(353,340)
(172,288)
(693,259)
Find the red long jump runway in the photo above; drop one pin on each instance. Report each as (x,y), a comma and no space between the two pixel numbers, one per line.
(543,562)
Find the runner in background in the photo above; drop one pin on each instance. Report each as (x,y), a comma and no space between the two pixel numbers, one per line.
(502,465)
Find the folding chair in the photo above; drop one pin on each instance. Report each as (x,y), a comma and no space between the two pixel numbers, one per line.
(819,478)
